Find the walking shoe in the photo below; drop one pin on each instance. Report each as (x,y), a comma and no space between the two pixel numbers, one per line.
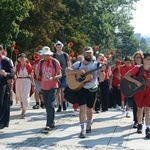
(75,113)
(36,106)
(139,128)
(135,125)
(123,111)
(47,128)
(59,108)
(147,131)
(88,130)
(64,106)
(42,105)
(82,134)
(23,116)
(128,114)
(118,107)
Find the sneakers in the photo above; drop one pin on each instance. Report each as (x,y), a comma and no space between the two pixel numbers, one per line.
(75,113)
(139,128)
(88,130)
(135,125)
(82,134)
(36,106)
(147,131)
(123,111)
(128,114)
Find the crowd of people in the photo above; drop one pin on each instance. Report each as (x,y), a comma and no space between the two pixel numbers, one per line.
(97,91)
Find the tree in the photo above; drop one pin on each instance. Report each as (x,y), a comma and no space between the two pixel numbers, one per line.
(12,14)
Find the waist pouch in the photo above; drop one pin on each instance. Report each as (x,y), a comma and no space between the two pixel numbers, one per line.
(93,89)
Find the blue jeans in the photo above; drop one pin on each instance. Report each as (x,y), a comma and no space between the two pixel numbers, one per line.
(49,98)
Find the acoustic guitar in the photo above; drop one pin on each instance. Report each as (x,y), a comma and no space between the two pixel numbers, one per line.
(77,81)
(129,88)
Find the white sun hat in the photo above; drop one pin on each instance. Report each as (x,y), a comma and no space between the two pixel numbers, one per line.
(59,43)
(46,51)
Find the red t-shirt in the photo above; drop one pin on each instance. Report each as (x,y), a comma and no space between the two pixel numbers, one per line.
(115,80)
(48,70)
(124,69)
(144,73)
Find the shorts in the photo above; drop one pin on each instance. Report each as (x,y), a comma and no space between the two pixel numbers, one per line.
(85,97)
(62,82)
(129,101)
(142,99)
(37,86)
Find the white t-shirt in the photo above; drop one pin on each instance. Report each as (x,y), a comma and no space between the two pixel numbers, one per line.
(92,65)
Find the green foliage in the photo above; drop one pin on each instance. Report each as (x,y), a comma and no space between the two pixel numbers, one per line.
(95,23)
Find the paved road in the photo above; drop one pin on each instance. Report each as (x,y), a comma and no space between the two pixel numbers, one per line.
(110,130)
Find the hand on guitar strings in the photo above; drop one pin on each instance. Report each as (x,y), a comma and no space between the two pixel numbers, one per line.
(81,72)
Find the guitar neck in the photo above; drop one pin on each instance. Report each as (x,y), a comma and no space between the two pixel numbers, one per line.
(89,72)
(145,82)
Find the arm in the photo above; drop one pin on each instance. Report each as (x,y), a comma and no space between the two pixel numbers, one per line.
(129,78)
(58,75)
(110,84)
(101,73)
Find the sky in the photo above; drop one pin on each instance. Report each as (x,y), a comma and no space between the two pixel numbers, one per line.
(141,21)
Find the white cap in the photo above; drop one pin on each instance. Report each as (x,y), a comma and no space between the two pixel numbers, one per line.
(59,43)
(46,51)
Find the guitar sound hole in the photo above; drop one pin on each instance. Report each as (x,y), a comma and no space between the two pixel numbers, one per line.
(82,78)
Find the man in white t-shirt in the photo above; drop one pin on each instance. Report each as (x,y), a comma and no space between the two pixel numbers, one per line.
(87,94)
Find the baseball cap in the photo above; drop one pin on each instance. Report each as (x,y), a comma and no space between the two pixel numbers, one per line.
(88,49)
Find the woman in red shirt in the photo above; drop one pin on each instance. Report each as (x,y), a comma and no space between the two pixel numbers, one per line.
(142,98)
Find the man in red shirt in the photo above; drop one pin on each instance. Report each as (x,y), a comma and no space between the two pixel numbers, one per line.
(50,71)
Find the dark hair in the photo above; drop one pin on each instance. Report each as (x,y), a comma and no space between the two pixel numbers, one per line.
(127,58)
(146,55)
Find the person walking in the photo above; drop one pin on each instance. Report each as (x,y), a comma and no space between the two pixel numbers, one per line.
(49,70)
(24,80)
(37,93)
(6,73)
(142,98)
(87,94)
(64,60)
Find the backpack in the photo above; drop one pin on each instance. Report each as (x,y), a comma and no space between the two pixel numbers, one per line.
(41,63)
(65,56)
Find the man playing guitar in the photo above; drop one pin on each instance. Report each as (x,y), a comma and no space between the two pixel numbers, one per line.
(87,94)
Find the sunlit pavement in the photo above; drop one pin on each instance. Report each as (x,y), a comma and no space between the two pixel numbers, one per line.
(110,130)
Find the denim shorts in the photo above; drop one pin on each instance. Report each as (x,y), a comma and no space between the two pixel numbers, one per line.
(62,81)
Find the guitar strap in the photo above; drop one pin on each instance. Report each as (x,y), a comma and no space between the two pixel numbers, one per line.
(93,61)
